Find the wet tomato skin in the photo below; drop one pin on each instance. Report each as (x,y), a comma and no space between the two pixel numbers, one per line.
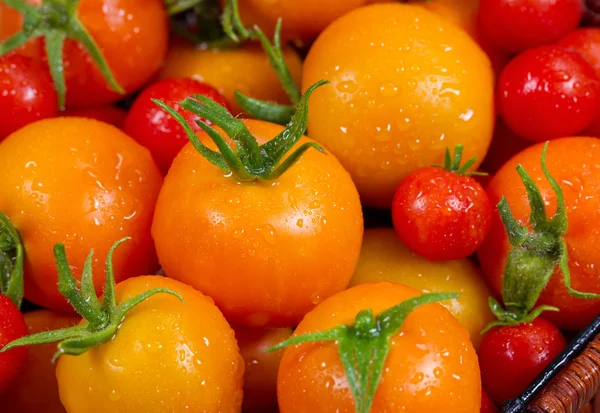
(158,131)
(511,357)
(441,215)
(517,25)
(12,327)
(547,93)
(26,93)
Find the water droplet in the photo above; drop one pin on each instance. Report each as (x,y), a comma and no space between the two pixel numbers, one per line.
(114,396)
(300,223)
(268,233)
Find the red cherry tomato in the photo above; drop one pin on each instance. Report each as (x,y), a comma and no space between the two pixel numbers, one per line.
(156,129)
(511,357)
(586,42)
(547,93)
(441,215)
(12,327)
(26,93)
(107,114)
(517,25)
(487,405)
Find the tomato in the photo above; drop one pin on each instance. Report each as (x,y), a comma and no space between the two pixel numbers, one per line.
(302,20)
(547,93)
(84,183)
(512,357)
(518,25)
(12,327)
(166,356)
(108,114)
(487,405)
(158,131)
(441,214)
(35,388)
(431,365)
(270,234)
(26,93)
(131,34)
(505,145)
(405,86)
(572,162)
(246,69)
(260,375)
(383,257)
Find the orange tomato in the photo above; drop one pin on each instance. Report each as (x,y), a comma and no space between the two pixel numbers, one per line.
(431,365)
(167,356)
(83,183)
(246,69)
(35,389)
(258,248)
(132,35)
(108,114)
(405,86)
(573,162)
(301,20)
(260,375)
(383,257)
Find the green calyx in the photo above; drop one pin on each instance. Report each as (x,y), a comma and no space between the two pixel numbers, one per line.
(534,256)
(260,109)
(364,345)
(11,261)
(56,21)
(452,164)
(102,318)
(249,161)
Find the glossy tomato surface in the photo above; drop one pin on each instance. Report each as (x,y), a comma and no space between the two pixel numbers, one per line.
(383,257)
(573,162)
(431,365)
(12,327)
(158,131)
(35,388)
(246,69)
(405,85)
(131,34)
(167,355)
(83,183)
(26,93)
(266,251)
(512,357)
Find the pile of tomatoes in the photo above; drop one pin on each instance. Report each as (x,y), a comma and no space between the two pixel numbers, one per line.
(294,206)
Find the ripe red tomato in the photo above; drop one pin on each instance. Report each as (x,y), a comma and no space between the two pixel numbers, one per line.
(517,25)
(487,405)
(441,214)
(26,93)
(108,114)
(547,93)
(158,131)
(511,357)
(12,327)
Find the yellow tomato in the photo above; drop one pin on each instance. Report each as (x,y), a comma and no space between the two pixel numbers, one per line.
(406,85)
(246,69)
(167,356)
(384,258)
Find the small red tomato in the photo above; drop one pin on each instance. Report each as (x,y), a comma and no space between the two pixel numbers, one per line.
(26,93)
(548,93)
(158,131)
(12,327)
(518,25)
(107,114)
(586,42)
(487,405)
(441,214)
(511,357)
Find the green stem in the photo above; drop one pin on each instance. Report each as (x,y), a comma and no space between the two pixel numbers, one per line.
(56,21)
(452,164)
(363,346)
(12,257)
(101,320)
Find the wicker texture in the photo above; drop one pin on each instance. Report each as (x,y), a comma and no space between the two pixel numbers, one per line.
(573,388)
